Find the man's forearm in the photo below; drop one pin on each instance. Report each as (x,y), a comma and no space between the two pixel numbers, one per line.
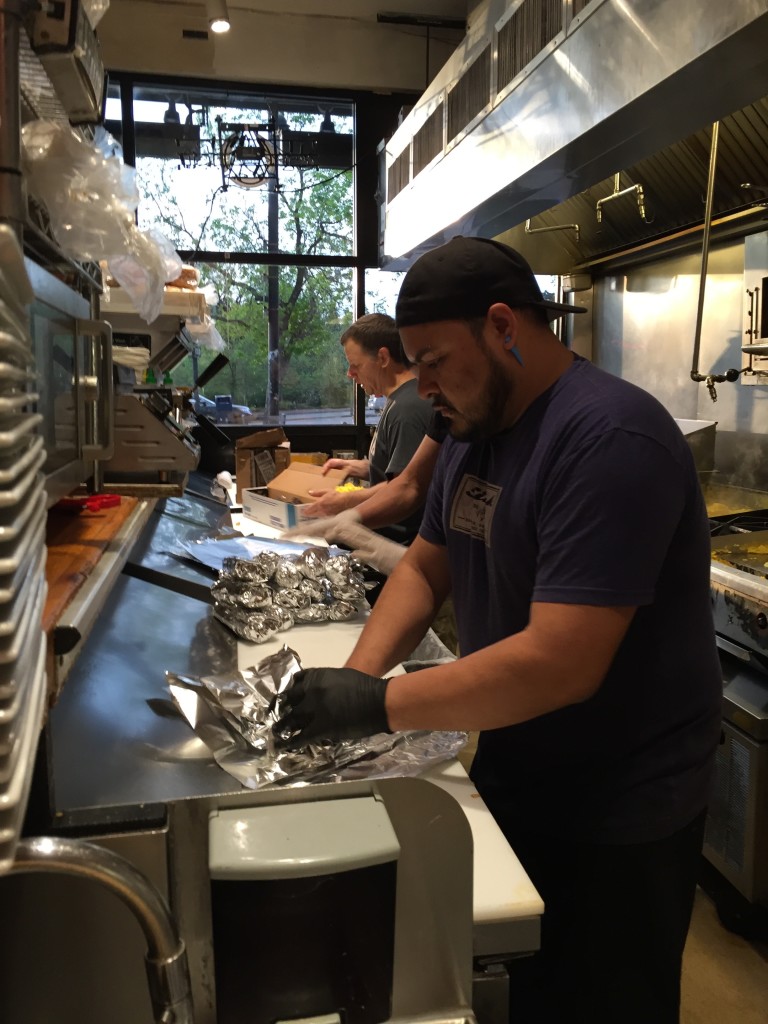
(407,492)
(398,621)
(391,503)
(559,659)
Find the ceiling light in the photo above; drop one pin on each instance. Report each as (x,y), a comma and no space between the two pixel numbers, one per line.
(218,15)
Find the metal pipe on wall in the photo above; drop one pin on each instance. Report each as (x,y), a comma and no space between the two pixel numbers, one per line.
(695,375)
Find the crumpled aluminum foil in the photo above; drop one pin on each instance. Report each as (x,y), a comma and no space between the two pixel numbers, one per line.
(233,715)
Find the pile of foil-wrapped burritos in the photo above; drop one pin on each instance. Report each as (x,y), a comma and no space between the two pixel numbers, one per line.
(233,714)
(257,597)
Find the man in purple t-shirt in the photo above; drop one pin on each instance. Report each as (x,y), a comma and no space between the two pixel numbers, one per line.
(566,518)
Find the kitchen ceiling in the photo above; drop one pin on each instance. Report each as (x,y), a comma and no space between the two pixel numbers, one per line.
(334,44)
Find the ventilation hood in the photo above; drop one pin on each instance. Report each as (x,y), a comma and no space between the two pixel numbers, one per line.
(594,142)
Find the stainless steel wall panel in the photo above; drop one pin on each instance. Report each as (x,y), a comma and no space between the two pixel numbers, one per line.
(644,321)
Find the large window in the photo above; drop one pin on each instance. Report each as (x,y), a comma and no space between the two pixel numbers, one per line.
(210,166)
(257,192)
(308,381)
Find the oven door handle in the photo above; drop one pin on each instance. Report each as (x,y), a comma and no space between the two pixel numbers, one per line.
(101,386)
(742,653)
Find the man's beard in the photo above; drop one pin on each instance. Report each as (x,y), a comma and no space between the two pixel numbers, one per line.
(482,422)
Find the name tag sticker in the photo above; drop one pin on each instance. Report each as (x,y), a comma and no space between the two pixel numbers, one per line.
(473,508)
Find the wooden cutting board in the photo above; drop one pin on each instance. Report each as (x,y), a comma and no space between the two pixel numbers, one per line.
(76,542)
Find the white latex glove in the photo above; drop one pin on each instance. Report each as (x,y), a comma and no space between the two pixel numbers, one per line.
(346,528)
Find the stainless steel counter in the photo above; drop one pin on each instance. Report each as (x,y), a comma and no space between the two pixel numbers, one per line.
(157,552)
(124,766)
(116,750)
(115,754)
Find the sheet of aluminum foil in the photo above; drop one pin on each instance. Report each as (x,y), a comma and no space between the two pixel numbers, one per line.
(233,714)
(212,550)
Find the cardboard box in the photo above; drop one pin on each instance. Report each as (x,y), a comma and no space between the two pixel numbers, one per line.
(313,458)
(295,482)
(280,504)
(259,458)
(281,515)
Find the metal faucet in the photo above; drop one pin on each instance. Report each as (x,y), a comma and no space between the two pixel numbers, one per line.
(166,957)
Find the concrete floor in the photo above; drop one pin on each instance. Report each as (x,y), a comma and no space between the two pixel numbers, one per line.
(725,977)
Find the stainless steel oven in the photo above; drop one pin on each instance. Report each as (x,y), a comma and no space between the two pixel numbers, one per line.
(736,841)
(73,354)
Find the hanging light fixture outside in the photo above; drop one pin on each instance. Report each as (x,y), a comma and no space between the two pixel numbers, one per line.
(327,123)
(218,15)
(171,116)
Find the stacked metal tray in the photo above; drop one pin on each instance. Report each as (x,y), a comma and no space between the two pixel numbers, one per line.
(22,551)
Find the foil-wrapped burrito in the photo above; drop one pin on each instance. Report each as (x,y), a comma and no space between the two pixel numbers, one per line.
(256,597)
(254,626)
(233,714)
(258,569)
(242,593)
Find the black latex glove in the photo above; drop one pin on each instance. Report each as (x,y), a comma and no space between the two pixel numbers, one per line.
(331,704)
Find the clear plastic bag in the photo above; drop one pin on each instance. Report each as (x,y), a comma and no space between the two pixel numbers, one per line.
(90,196)
(95,9)
(141,272)
(204,331)
(106,143)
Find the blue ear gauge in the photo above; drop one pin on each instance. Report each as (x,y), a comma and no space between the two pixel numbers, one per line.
(513,350)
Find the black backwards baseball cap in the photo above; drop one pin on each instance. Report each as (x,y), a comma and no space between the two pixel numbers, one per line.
(464,277)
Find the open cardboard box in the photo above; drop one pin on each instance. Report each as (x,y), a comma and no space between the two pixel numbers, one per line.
(279,504)
(259,457)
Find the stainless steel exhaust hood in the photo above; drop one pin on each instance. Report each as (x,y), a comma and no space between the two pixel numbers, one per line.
(540,104)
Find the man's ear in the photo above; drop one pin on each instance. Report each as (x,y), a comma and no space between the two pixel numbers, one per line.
(504,322)
(383,356)
(506,325)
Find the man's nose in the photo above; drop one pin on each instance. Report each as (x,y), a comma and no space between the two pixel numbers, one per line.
(351,375)
(426,386)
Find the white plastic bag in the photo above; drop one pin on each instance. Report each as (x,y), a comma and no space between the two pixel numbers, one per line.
(143,267)
(171,259)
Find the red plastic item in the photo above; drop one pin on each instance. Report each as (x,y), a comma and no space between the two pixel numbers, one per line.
(88,503)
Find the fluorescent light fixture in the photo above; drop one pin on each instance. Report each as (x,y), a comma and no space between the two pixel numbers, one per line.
(218,15)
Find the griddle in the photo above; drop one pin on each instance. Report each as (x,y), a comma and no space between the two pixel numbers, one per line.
(746,551)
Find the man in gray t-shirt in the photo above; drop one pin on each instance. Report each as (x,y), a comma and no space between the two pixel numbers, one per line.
(376,363)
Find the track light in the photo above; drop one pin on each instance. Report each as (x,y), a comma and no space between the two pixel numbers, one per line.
(218,15)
